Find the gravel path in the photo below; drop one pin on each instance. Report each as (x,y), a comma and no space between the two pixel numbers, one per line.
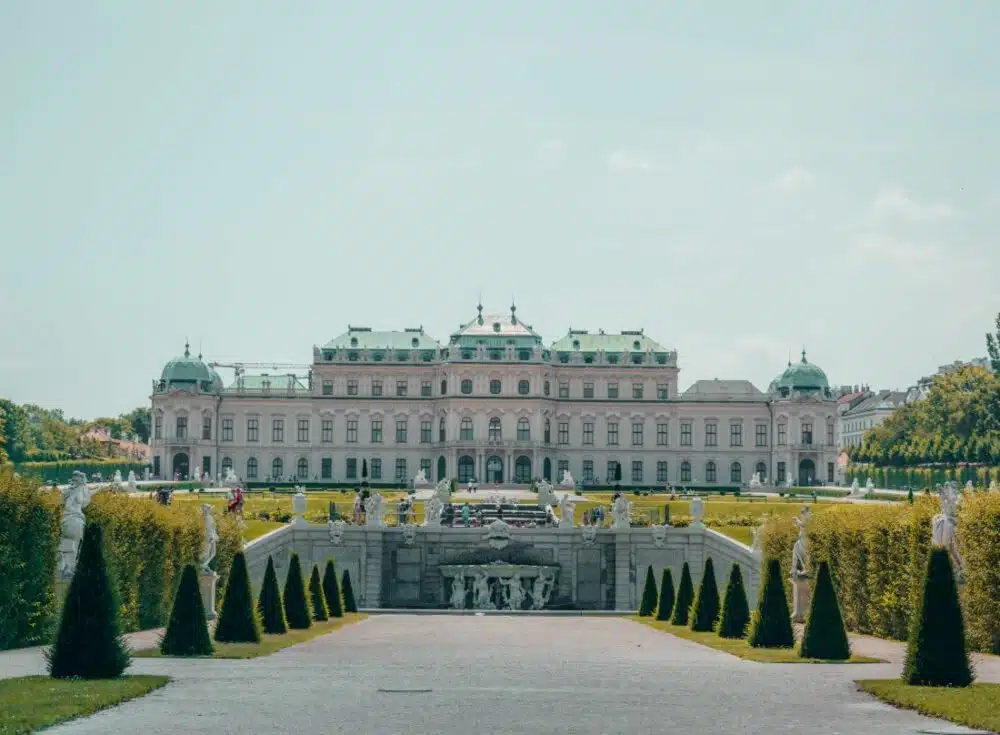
(529,675)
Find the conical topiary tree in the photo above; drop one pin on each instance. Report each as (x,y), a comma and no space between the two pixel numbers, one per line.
(665,606)
(685,596)
(331,589)
(706,604)
(319,609)
(825,635)
(936,654)
(238,622)
(348,592)
(771,626)
(735,608)
(88,643)
(648,604)
(187,631)
(296,607)
(272,612)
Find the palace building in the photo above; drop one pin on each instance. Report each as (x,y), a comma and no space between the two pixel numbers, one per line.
(494,403)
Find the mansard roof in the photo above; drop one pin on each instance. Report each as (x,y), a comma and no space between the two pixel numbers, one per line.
(365,338)
(716,391)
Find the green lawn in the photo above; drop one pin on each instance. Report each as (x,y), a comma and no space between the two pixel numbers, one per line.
(743,534)
(256,529)
(739,647)
(30,703)
(977,706)
(269,643)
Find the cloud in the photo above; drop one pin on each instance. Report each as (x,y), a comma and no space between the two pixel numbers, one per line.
(794,180)
(623,160)
(870,247)
(894,204)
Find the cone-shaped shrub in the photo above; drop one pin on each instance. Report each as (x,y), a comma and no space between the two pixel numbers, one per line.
(88,643)
(936,654)
(331,589)
(685,596)
(272,612)
(348,592)
(319,609)
(665,607)
(825,635)
(187,631)
(771,626)
(238,622)
(296,605)
(706,604)
(735,608)
(648,604)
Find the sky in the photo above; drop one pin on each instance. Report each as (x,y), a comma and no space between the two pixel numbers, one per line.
(739,179)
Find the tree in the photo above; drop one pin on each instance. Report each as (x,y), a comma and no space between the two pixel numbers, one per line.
(666,603)
(771,626)
(993,348)
(706,604)
(3,439)
(825,635)
(348,592)
(909,497)
(685,596)
(238,622)
(936,654)
(331,589)
(89,644)
(187,631)
(735,607)
(140,420)
(319,608)
(296,607)
(648,603)
(269,605)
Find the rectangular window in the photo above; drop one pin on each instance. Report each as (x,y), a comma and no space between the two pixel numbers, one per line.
(563,434)
(376,387)
(253,430)
(636,434)
(636,470)
(352,431)
(156,466)
(351,469)
(661,471)
(425,432)
(637,390)
(465,430)
(564,389)
(686,434)
(829,435)
(662,435)
(401,432)
(782,434)
(327,387)
(376,431)
(685,472)
(278,430)
(711,434)
(401,388)
(206,427)
(588,470)
(612,434)
(302,433)
(829,471)
(182,427)
(352,387)
(760,435)
(588,433)
(807,433)
(612,471)
(206,466)
(588,390)
(523,431)
(612,390)
(227,430)
(326,468)
(736,435)
(662,391)
(562,467)
(425,388)
(425,467)
(376,469)
(326,430)
(781,472)
(547,388)
(401,470)
(158,428)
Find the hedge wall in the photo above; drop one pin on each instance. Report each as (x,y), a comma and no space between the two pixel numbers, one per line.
(920,477)
(877,556)
(29,542)
(62,472)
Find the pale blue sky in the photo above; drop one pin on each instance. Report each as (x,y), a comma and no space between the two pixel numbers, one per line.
(738,178)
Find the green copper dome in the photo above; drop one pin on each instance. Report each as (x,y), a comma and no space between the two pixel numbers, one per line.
(187,369)
(801,376)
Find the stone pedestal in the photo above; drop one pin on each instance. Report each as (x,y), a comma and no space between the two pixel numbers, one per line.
(801,597)
(206,582)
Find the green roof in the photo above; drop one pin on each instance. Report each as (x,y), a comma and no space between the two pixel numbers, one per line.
(580,340)
(365,338)
(801,376)
(186,369)
(496,330)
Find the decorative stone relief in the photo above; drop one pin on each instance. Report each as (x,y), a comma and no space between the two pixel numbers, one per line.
(409,534)
(659,536)
(589,534)
(337,532)
(497,534)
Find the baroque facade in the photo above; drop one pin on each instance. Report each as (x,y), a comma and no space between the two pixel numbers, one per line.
(494,404)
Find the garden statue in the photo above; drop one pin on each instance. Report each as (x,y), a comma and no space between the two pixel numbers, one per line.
(621,513)
(566,507)
(432,511)
(443,490)
(869,486)
(755,482)
(230,477)
(75,497)
(541,590)
(196,474)
(800,552)
(567,480)
(373,510)
(969,487)
(994,487)
(210,542)
(855,488)
(756,544)
(513,592)
(944,525)
(546,495)
(481,592)
(457,592)
(789,481)
(132,485)
(420,479)
(116,480)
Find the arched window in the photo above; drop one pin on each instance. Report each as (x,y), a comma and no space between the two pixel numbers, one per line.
(735,472)
(523,431)
(522,469)
(441,430)
(277,468)
(495,387)
(710,472)
(466,386)
(495,434)
(548,431)
(302,468)
(444,387)
(227,464)
(465,430)
(685,471)
(761,470)
(523,387)
(252,468)
(466,469)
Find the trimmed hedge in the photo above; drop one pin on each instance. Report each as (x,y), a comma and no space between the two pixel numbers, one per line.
(825,635)
(319,609)
(187,631)
(706,604)
(771,624)
(62,471)
(979,545)
(350,604)
(665,606)
(648,604)
(735,608)
(685,596)
(331,590)
(294,597)
(920,477)
(238,620)
(269,605)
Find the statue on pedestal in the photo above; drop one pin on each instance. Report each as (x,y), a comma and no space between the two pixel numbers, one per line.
(373,510)
(567,480)
(132,485)
(869,486)
(546,495)
(75,498)
(210,542)
(944,526)
(566,508)
(420,479)
(621,513)
(481,592)
(855,488)
(801,592)
(513,592)
(755,481)
(116,480)
(196,474)
(457,599)
(541,590)
(432,511)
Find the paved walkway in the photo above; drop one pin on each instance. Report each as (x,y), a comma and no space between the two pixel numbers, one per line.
(528,675)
